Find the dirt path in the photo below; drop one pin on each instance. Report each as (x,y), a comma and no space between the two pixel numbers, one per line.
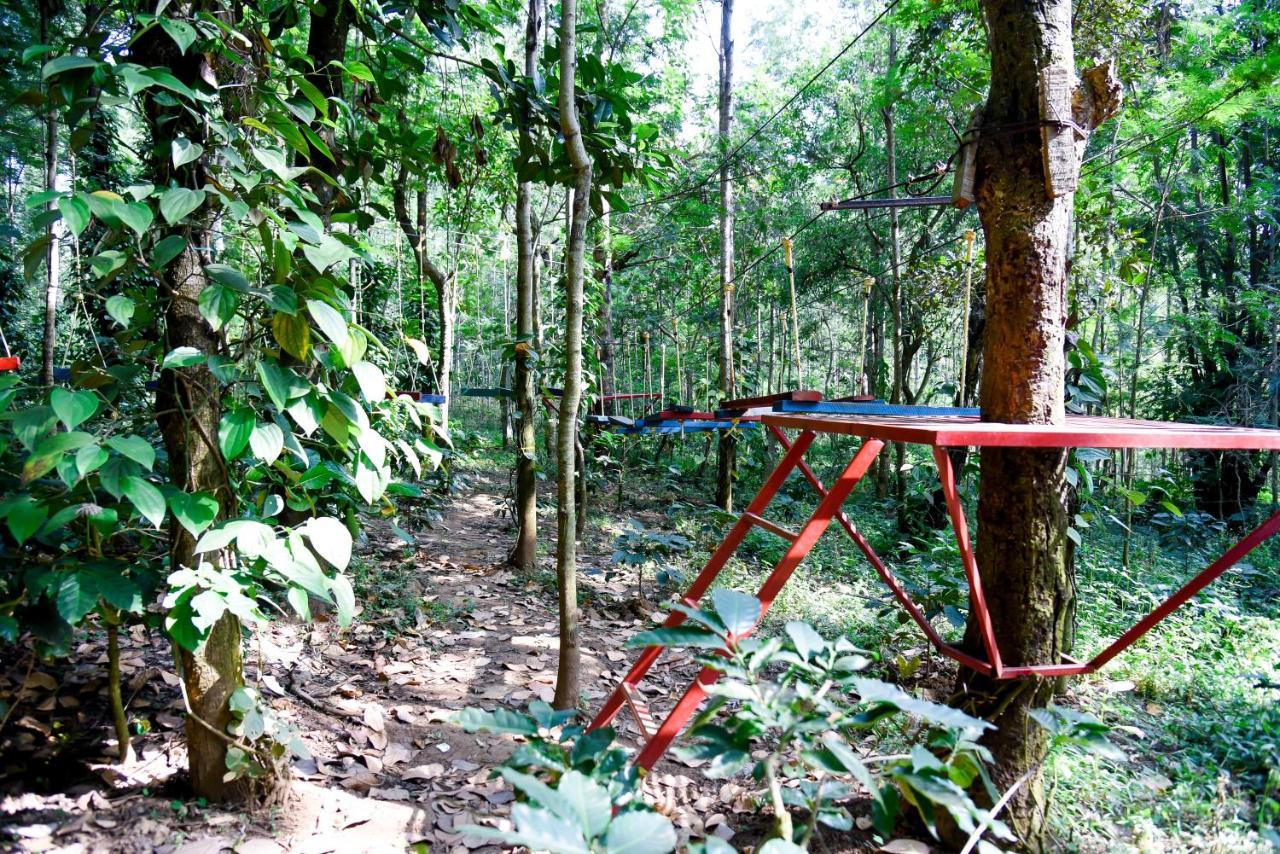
(374,704)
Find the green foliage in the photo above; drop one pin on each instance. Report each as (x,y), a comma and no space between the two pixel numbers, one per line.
(570,783)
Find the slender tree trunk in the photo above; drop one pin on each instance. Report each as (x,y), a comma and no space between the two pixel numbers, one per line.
(567,674)
(1022,548)
(895,263)
(442,282)
(727,451)
(53,259)
(604,270)
(524,554)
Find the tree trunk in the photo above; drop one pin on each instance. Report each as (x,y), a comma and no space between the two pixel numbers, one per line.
(604,270)
(188,409)
(416,233)
(53,265)
(726,451)
(567,674)
(1022,515)
(895,263)
(524,554)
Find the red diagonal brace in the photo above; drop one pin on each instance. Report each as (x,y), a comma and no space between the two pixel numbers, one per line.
(808,537)
(794,456)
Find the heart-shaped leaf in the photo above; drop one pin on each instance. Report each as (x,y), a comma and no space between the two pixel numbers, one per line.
(73,407)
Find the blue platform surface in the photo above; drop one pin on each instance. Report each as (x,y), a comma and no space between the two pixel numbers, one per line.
(826,407)
(668,428)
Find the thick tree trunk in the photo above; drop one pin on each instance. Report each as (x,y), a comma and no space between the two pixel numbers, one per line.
(524,554)
(188,409)
(1022,514)
(567,674)
(726,451)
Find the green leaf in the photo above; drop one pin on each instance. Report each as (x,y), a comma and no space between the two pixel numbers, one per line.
(293,334)
(181,357)
(266,441)
(780,846)
(282,384)
(330,539)
(640,832)
(183,151)
(218,305)
(227,275)
(146,498)
(137,215)
(73,408)
(344,598)
(807,641)
(66,63)
(77,596)
(372,384)
(75,213)
(195,512)
(500,720)
(121,309)
(25,518)
(690,636)
(166,250)
(135,448)
(182,33)
(326,252)
(737,610)
(234,431)
(177,202)
(359,71)
(588,802)
(330,322)
(873,691)
(89,459)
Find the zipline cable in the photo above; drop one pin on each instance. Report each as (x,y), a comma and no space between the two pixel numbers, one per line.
(737,149)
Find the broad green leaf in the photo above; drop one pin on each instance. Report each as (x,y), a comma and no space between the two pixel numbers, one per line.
(75,213)
(326,252)
(588,801)
(89,459)
(77,596)
(227,275)
(166,250)
(135,448)
(73,408)
(500,720)
(873,691)
(146,498)
(177,202)
(195,512)
(121,309)
(64,64)
(282,384)
(690,636)
(25,518)
(138,216)
(344,598)
(737,610)
(330,539)
(359,71)
(293,334)
(182,357)
(640,832)
(183,150)
(331,323)
(234,431)
(807,641)
(372,384)
(182,33)
(419,349)
(266,441)
(218,305)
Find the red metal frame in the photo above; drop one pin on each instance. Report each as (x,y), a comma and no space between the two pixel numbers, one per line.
(10,363)
(939,434)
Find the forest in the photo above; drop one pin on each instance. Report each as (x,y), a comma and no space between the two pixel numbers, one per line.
(640,426)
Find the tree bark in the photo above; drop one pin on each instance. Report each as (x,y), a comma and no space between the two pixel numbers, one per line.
(524,554)
(1022,513)
(726,451)
(567,674)
(442,282)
